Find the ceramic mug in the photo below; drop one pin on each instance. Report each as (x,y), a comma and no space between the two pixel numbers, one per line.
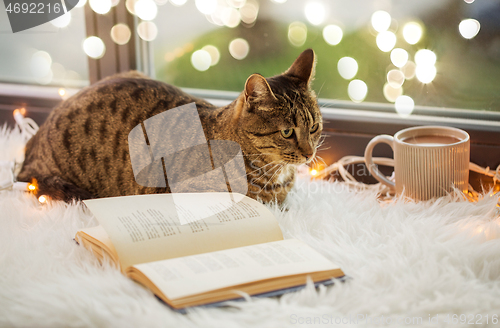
(429,161)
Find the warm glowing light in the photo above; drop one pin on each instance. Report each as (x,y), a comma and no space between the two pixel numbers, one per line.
(297,34)
(314,172)
(347,67)
(381,21)
(214,54)
(425,57)
(81,3)
(114,3)
(409,70)
(31,187)
(206,6)
(404,105)
(62,21)
(62,92)
(40,64)
(333,34)
(391,93)
(425,74)
(231,17)
(399,57)
(249,12)
(315,12)
(130,4)
(357,90)
(147,31)
(386,41)
(201,60)
(395,78)
(94,47)
(178,3)
(120,34)
(469,28)
(412,32)
(42,199)
(236,3)
(100,6)
(20,111)
(469,1)
(146,9)
(239,48)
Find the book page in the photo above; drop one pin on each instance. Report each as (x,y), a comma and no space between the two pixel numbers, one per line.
(146,228)
(197,274)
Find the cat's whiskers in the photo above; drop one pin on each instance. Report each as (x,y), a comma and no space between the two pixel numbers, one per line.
(277,172)
(266,172)
(260,168)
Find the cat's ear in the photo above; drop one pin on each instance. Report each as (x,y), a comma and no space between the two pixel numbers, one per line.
(256,86)
(303,67)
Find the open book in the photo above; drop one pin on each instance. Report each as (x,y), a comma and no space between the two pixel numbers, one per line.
(193,249)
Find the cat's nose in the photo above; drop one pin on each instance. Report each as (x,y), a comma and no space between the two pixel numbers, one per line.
(307,156)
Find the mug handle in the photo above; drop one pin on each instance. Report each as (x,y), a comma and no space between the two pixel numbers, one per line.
(372,167)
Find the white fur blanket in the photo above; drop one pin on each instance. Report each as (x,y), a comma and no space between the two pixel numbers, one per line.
(410,263)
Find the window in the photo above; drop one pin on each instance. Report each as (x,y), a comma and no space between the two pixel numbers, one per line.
(49,54)
(427,53)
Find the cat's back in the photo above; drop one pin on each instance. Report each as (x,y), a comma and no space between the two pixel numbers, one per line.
(84,139)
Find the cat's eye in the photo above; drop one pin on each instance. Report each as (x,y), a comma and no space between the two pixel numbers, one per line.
(314,128)
(287,133)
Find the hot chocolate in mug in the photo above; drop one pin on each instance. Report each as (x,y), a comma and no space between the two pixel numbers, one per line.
(429,161)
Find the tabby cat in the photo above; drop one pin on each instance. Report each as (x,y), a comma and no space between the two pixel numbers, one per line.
(82,151)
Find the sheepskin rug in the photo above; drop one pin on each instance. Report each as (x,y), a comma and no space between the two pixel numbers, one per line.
(419,264)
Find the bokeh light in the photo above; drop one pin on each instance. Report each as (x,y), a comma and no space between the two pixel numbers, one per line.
(62,21)
(279,1)
(357,90)
(381,21)
(146,9)
(201,60)
(347,67)
(81,3)
(386,41)
(100,6)
(40,64)
(147,31)
(409,70)
(395,78)
(239,48)
(178,3)
(425,74)
(332,34)
(399,57)
(206,6)
(94,47)
(469,1)
(249,12)
(230,17)
(130,5)
(469,28)
(391,93)
(404,105)
(425,57)
(214,54)
(412,32)
(236,3)
(120,34)
(297,33)
(315,12)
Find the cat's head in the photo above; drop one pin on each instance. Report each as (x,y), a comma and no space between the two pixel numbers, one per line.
(279,116)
